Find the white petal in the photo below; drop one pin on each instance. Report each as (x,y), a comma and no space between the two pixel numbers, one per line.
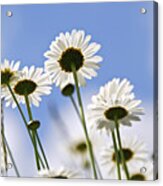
(81,79)
(51,55)
(91,49)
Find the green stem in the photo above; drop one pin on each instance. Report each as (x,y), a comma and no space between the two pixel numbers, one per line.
(33,131)
(3,135)
(35,149)
(4,150)
(78,113)
(19,108)
(117,155)
(42,151)
(121,151)
(75,106)
(98,169)
(28,108)
(89,145)
(11,157)
(37,136)
(23,117)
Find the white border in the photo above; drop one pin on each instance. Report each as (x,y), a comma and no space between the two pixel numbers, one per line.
(44,182)
(5,2)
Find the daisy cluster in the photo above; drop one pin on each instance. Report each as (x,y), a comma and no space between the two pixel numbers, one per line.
(70,60)
(30,81)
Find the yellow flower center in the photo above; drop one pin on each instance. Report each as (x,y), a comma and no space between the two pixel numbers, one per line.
(25,87)
(128,154)
(116,113)
(138,176)
(81,147)
(6,76)
(71,56)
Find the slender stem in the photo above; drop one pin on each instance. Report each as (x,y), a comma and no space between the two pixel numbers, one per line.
(42,150)
(37,136)
(89,145)
(78,113)
(33,132)
(75,106)
(98,169)
(11,157)
(121,151)
(35,149)
(2,135)
(117,155)
(41,161)
(19,108)
(23,117)
(4,150)
(28,108)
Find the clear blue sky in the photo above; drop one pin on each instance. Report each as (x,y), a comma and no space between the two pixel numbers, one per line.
(124,33)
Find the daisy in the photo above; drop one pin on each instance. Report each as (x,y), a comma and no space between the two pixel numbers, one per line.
(79,150)
(32,82)
(72,49)
(79,146)
(62,173)
(145,173)
(114,101)
(74,145)
(9,74)
(135,155)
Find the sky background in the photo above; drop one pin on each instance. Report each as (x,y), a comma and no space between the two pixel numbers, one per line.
(126,37)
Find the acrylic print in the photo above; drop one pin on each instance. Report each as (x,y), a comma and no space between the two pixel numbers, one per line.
(79,91)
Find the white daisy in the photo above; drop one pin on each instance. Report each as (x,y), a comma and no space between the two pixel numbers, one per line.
(74,146)
(62,173)
(145,173)
(32,82)
(135,154)
(9,74)
(79,146)
(72,49)
(78,150)
(114,101)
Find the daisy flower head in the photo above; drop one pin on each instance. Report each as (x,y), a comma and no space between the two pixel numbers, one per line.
(79,150)
(32,82)
(145,173)
(62,173)
(78,153)
(72,49)
(79,146)
(9,74)
(115,101)
(135,155)
(74,147)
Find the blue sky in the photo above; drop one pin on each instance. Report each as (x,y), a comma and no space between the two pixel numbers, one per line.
(125,34)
